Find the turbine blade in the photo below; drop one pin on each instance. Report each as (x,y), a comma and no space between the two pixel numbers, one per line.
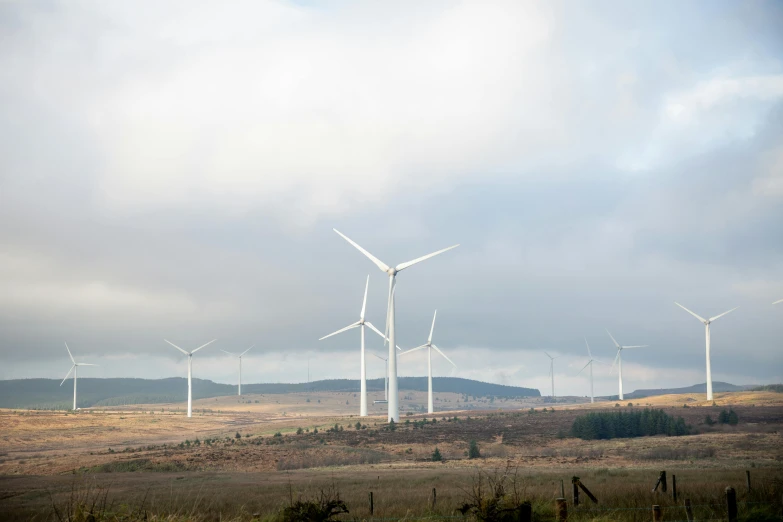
(85,364)
(585,366)
(231,354)
(175,346)
(403,266)
(203,345)
(549,355)
(380,264)
(778,301)
(413,349)
(636,346)
(243,353)
(724,313)
(613,340)
(443,354)
(69,353)
(69,373)
(341,330)
(588,349)
(615,361)
(379,357)
(700,318)
(432,329)
(364,303)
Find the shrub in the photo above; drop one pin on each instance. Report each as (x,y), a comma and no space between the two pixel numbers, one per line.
(708,421)
(392,425)
(436,456)
(237,436)
(496,497)
(277,434)
(299,431)
(358,425)
(473,450)
(319,509)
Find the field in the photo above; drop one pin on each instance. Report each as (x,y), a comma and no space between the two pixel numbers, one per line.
(238,457)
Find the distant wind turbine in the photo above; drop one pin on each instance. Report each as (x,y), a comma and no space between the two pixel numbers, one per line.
(190,370)
(361,323)
(385,377)
(618,360)
(429,346)
(239,389)
(394,395)
(707,335)
(74,369)
(552,371)
(590,364)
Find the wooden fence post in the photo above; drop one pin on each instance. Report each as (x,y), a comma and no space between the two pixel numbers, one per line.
(688,510)
(731,504)
(576,491)
(657,515)
(561,509)
(562,489)
(525,512)
(434,497)
(587,491)
(747,478)
(371,506)
(674,488)
(663,481)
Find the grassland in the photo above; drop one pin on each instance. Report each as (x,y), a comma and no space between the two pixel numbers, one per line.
(198,468)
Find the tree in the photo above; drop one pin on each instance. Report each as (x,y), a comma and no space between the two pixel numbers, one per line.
(473,450)
(358,425)
(723,418)
(436,456)
(708,421)
(733,418)
(392,425)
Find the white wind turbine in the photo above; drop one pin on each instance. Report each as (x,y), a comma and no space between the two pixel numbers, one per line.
(393,407)
(590,364)
(361,323)
(74,369)
(385,377)
(707,335)
(429,346)
(190,370)
(618,360)
(552,371)
(239,389)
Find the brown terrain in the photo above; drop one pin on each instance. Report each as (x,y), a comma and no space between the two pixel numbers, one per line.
(249,444)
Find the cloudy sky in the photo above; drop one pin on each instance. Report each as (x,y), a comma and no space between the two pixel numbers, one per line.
(174,170)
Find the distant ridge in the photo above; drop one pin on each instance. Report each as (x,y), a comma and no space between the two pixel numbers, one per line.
(717,386)
(48,394)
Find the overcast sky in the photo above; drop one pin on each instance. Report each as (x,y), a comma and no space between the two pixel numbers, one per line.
(174,170)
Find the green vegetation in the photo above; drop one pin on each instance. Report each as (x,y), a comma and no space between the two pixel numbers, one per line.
(624,424)
(436,456)
(473,450)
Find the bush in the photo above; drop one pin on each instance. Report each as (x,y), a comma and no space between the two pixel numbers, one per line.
(436,456)
(496,497)
(299,431)
(619,424)
(237,436)
(708,421)
(473,450)
(320,509)
(392,425)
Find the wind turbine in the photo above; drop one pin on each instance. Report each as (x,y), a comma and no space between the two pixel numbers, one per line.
(385,377)
(190,369)
(618,360)
(361,323)
(707,335)
(590,364)
(552,371)
(74,369)
(239,390)
(429,346)
(393,407)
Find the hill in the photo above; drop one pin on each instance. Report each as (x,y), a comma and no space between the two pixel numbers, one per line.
(48,394)
(717,386)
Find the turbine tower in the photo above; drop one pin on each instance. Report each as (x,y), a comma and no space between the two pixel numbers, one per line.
(190,370)
(618,360)
(707,335)
(361,323)
(239,389)
(590,364)
(393,407)
(552,371)
(385,377)
(429,346)
(74,369)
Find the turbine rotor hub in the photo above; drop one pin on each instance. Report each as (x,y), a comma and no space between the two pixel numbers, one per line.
(392,271)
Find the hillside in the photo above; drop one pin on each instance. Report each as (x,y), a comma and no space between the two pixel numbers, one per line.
(717,386)
(48,394)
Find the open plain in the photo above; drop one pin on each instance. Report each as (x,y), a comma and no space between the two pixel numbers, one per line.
(283,447)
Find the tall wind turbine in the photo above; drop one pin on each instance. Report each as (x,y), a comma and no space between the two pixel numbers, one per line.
(385,377)
(429,346)
(74,369)
(552,371)
(239,389)
(618,360)
(394,396)
(590,364)
(190,370)
(707,335)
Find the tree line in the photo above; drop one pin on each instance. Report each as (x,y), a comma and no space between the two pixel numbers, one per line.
(625,424)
